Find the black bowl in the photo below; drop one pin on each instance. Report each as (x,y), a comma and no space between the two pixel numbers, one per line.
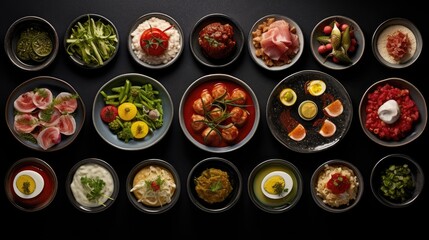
(92,168)
(234,177)
(268,203)
(198,52)
(36,168)
(33,62)
(416,173)
(165,170)
(83,19)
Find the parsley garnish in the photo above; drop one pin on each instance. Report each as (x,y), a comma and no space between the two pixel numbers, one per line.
(94,188)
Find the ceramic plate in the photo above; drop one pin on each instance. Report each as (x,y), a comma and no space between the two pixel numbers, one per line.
(56,85)
(154,136)
(282,119)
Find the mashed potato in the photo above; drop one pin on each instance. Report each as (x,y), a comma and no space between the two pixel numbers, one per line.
(333,199)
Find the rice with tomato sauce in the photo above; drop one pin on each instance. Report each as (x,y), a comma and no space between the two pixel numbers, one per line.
(173,42)
(409,113)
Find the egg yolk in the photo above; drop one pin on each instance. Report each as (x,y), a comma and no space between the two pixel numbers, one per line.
(26,184)
(308,110)
(271,182)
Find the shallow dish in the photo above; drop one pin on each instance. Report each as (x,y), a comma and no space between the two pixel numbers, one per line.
(197,50)
(186,110)
(418,126)
(269,204)
(31,62)
(389,27)
(326,198)
(167,190)
(218,168)
(56,86)
(45,182)
(175,42)
(294,28)
(417,177)
(152,137)
(109,29)
(282,119)
(354,55)
(93,169)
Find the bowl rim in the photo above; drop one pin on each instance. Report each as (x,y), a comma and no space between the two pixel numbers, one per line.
(193,39)
(226,77)
(334,66)
(397,21)
(141,77)
(76,59)
(406,159)
(162,16)
(9,36)
(34,161)
(229,164)
(33,81)
(423,112)
(299,184)
(69,180)
(147,209)
(299,32)
(319,201)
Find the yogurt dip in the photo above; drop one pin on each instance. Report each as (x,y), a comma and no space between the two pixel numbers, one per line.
(94,171)
(389,112)
(383,40)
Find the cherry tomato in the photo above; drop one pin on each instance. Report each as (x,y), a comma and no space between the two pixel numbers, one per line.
(327,30)
(154,41)
(108,113)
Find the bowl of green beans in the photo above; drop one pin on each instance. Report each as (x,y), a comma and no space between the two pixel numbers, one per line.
(132,111)
(397,180)
(91,40)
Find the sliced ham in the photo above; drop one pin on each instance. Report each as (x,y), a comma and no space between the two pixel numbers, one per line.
(67,124)
(42,98)
(65,102)
(25,123)
(49,117)
(24,103)
(49,137)
(279,43)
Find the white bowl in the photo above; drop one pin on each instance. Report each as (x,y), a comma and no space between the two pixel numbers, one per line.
(294,29)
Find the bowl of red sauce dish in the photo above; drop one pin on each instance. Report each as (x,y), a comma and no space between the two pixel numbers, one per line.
(219,113)
(393,112)
(31,184)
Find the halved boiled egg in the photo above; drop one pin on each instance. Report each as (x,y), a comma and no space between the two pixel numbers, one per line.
(28,184)
(316,87)
(328,128)
(287,97)
(277,184)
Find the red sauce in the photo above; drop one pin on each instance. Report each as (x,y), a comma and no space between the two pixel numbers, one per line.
(44,197)
(338,183)
(196,93)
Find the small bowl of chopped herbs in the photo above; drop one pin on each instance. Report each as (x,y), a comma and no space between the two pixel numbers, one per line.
(91,40)
(397,180)
(31,43)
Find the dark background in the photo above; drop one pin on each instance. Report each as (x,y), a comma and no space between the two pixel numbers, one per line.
(184,219)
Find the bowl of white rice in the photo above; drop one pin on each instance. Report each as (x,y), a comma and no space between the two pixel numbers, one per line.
(164,23)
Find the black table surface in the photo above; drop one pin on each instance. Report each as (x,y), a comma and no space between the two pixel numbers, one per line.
(184,219)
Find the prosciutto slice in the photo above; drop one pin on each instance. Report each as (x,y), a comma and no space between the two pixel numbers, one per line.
(49,117)
(42,98)
(25,123)
(279,43)
(65,102)
(48,137)
(67,124)
(24,103)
